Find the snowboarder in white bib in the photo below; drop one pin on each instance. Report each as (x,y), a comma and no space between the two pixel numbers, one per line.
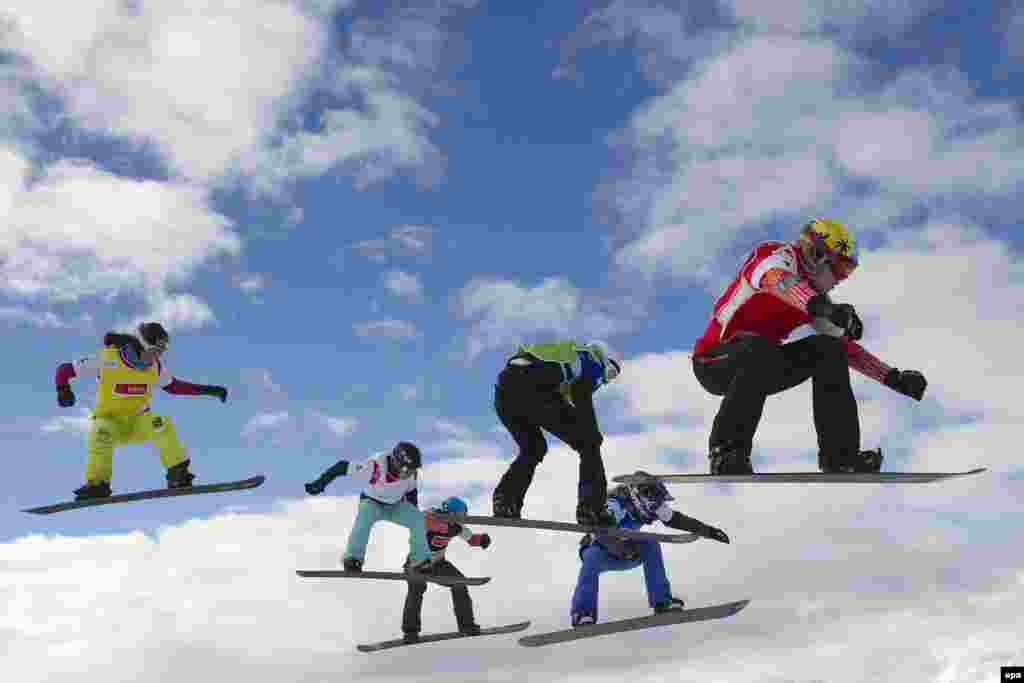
(550,387)
(390,494)
(439,534)
(633,506)
(126,369)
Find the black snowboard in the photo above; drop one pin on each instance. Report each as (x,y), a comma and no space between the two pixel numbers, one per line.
(564,526)
(393,576)
(800,477)
(601,629)
(434,637)
(146,495)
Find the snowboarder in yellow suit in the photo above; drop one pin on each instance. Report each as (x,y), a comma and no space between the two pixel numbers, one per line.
(127,368)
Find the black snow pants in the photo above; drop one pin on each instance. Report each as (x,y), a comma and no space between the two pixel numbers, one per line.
(527,401)
(748,368)
(461,601)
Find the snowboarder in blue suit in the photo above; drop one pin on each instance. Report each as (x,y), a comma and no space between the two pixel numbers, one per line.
(633,506)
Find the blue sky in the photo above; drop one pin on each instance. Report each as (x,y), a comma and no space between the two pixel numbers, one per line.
(347,212)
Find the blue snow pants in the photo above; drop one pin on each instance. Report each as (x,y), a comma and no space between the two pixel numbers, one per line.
(596,559)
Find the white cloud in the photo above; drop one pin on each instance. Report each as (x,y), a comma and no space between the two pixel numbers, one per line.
(250,282)
(945,600)
(403,284)
(402,240)
(78,231)
(771,130)
(64,423)
(863,18)
(266,422)
(388,328)
(260,380)
(504,313)
(177,312)
(453,429)
(20,314)
(339,425)
(204,86)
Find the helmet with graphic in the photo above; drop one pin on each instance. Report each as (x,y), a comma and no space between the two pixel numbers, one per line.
(601,351)
(825,241)
(454,505)
(154,337)
(649,494)
(405,458)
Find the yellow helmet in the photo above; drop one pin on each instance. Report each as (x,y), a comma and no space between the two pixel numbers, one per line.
(824,240)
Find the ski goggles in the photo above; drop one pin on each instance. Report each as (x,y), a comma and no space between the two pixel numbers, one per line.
(158,347)
(611,370)
(841,265)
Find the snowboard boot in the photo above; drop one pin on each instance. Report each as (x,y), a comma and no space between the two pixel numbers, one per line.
(178,476)
(352,564)
(670,605)
(862,461)
(471,630)
(505,506)
(588,514)
(730,458)
(410,637)
(583,619)
(93,489)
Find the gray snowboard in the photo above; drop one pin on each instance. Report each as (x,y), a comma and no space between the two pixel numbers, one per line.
(800,477)
(146,495)
(460,518)
(602,629)
(393,576)
(434,637)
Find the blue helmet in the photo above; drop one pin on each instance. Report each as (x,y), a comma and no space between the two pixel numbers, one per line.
(454,505)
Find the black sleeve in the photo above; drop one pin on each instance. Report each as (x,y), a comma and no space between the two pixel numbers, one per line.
(338,469)
(683,523)
(820,306)
(586,418)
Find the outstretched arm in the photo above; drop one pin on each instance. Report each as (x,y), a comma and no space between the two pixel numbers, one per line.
(317,486)
(173,385)
(677,520)
(476,540)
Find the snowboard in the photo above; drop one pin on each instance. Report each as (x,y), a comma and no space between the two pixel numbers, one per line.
(801,477)
(666,619)
(615,532)
(435,637)
(393,576)
(146,495)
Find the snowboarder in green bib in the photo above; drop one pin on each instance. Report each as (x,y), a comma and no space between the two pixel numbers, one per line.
(551,387)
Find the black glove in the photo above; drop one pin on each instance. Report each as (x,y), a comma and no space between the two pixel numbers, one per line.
(714,534)
(908,382)
(315,488)
(846,317)
(485,541)
(65,397)
(219,392)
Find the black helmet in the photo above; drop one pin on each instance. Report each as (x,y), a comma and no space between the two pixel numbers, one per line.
(648,494)
(154,336)
(406,457)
